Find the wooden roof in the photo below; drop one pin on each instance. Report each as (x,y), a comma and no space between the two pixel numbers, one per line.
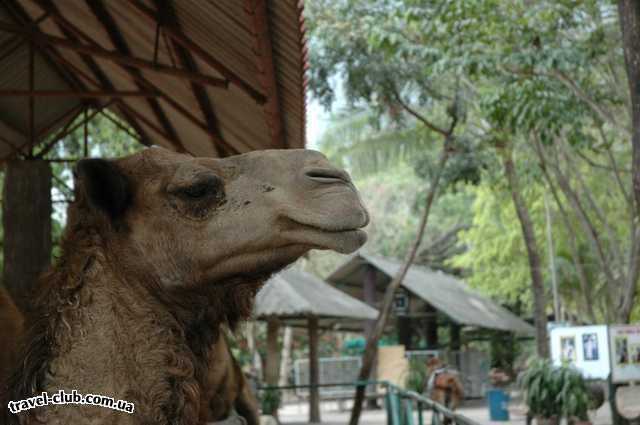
(444,292)
(213,78)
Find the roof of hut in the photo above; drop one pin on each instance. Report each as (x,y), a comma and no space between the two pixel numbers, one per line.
(294,295)
(444,292)
(211,78)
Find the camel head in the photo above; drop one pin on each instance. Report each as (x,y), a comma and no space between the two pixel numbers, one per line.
(199,221)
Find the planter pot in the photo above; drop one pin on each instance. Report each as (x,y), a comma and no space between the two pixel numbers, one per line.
(554,420)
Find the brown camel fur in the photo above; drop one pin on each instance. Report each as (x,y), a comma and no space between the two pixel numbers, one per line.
(10,331)
(160,250)
(226,387)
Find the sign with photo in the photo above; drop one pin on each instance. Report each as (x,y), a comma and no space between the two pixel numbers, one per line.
(584,347)
(624,343)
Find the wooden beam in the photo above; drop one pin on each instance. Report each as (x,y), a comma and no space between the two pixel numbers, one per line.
(259,19)
(68,129)
(103,16)
(114,56)
(76,93)
(180,38)
(167,17)
(105,83)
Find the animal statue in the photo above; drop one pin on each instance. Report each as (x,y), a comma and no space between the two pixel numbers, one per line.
(160,251)
(444,385)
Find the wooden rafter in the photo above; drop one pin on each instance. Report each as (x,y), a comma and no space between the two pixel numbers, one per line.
(76,93)
(114,56)
(103,16)
(94,68)
(167,17)
(259,18)
(140,79)
(180,38)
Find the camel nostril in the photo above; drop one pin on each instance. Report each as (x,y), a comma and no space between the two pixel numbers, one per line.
(327,175)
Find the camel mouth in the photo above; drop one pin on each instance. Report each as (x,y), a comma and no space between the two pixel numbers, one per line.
(344,240)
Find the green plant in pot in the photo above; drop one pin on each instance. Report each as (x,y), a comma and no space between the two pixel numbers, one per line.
(541,388)
(270,401)
(574,397)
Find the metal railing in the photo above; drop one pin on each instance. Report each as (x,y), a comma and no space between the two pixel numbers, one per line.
(403,407)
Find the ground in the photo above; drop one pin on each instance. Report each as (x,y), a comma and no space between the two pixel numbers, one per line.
(476,410)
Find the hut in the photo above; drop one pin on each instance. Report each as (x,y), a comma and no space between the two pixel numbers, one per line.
(427,300)
(298,298)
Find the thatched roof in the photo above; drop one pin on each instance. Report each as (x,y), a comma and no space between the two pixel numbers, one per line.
(294,295)
(208,77)
(444,292)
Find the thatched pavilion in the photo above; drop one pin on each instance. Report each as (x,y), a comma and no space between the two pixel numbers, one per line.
(298,298)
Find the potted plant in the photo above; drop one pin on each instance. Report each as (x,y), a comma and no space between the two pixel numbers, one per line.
(541,388)
(573,397)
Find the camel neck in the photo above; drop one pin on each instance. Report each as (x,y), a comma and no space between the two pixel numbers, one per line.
(108,337)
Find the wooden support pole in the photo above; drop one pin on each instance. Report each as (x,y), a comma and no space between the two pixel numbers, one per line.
(86,134)
(431,327)
(32,126)
(26,217)
(271,371)
(314,378)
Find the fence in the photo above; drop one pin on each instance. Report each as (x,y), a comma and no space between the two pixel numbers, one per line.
(330,369)
(402,407)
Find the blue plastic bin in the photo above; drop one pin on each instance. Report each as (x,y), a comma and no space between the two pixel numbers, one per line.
(498,405)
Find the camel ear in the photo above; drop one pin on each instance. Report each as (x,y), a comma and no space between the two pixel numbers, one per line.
(105,186)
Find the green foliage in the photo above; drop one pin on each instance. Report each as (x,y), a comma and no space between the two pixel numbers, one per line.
(554,390)
(514,73)
(269,400)
(541,388)
(417,376)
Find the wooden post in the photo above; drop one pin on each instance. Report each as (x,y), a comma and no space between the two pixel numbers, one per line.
(454,337)
(431,327)
(26,217)
(314,393)
(369,291)
(271,371)
(405,332)
(273,352)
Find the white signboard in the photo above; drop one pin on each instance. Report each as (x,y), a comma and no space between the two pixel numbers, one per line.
(585,347)
(624,341)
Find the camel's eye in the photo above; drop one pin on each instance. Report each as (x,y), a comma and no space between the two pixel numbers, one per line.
(199,190)
(208,188)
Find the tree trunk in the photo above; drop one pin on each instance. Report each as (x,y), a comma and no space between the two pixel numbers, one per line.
(630,24)
(385,309)
(629,11)
(533,253)
(314,392)
(26,217)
